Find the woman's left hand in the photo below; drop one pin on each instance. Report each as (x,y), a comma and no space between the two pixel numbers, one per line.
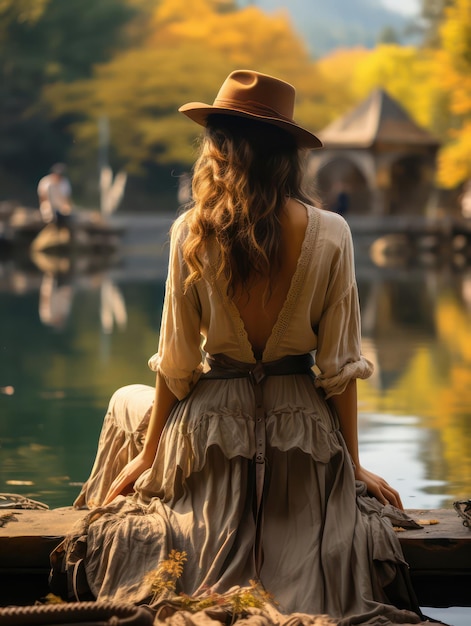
(379,488)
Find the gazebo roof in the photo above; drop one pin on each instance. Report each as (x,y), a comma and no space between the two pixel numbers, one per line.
(378,119)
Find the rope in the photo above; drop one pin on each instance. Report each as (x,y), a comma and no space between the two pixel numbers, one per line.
(15,501)
(84,613)
(463,508)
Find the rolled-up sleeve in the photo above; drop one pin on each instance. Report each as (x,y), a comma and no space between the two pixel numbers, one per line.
(338,355)
(179,357)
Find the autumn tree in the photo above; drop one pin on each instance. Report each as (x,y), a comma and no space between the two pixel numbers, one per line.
(189,50)
(405,72)
(433,83)
(454,73)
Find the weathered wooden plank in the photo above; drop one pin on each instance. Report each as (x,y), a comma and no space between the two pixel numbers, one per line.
(27,539)
(439,555)
(441,547)
(37,522)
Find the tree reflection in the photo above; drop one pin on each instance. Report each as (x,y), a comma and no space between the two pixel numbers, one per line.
(419,336)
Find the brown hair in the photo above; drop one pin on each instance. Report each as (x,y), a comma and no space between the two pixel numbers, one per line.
(245,171)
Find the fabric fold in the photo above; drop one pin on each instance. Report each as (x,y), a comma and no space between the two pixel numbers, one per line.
(337,383)
(179,385)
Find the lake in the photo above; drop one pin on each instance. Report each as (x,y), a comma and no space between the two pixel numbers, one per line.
(68,340)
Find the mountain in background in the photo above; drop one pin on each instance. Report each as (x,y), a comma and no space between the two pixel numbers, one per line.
(329,24)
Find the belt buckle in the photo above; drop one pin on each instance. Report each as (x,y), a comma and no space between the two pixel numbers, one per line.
(257,374)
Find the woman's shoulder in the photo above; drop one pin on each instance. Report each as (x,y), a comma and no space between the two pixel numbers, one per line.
(331,224)
(179,229)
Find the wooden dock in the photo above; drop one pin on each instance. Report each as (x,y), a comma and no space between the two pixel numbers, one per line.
(439,555)
(413,239)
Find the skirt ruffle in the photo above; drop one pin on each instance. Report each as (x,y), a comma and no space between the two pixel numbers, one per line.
(328,548)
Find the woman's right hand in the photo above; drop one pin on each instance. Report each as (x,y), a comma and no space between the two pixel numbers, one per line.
(379,488)
(124,481)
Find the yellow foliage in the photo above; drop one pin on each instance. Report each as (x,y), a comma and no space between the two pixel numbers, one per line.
(245,38)
(455,34)
(190,49)
(434,86)
(454,163)
(336,70)
(405,73)
(187,49)
(337,65)
(174,11)
(454,72)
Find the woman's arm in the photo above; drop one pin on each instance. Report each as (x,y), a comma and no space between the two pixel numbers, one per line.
(164,401)
(345,405)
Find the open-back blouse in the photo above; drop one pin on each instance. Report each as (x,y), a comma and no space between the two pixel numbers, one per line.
(320,314)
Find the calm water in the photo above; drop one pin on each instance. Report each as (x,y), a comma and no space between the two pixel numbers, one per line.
(68,340)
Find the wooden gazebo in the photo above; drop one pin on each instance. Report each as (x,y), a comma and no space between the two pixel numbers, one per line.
(379,157)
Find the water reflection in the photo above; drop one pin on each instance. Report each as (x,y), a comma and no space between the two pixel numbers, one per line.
(58,279)
(112,307)
(417,331)
(56,295)
(71,335)
(55,300)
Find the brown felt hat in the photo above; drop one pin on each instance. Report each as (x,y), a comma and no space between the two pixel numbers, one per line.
(246,93)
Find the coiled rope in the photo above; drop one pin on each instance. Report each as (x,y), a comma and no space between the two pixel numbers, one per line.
(84,613)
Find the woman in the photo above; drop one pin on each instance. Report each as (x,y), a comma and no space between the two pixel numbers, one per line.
(246,461)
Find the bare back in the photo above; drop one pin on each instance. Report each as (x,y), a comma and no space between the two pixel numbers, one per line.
(258,314)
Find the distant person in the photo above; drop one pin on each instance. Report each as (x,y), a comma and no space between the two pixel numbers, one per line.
(341,202)
(54,193)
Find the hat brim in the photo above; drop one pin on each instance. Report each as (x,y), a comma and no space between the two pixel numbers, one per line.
(199,111)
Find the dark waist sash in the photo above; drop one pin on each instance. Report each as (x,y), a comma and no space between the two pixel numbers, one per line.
(223,367)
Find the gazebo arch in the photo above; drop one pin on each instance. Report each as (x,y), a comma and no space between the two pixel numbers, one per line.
(344,178)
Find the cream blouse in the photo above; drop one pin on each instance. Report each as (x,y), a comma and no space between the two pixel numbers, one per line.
(321,313)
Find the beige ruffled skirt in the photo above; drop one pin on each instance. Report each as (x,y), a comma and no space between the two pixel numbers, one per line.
(320,549)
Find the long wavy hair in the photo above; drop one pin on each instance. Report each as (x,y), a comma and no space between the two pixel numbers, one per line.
(244,173)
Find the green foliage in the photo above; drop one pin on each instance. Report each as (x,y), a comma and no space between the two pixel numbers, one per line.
(388,35)
(78,34)
(20,12)
(42,41)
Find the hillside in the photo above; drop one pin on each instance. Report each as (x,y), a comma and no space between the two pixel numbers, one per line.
(339,23)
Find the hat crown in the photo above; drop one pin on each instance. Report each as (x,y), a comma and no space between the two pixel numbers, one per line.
(249,94)
(258,94)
